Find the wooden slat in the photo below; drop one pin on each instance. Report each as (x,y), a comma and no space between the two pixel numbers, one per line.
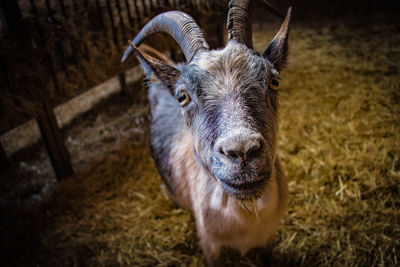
(100,14)
(121,20)
(128,9)
(54,143)
(63,9)
(144,8)
(59,44)
(42,41)
(125,90)
(51,133)
(138,16)
(111,17)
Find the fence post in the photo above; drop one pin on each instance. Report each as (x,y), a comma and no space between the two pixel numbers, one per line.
(124,88)
(144,8)
(54,142)
(138,16)
(121,20)
(59,44)
(128,9)
(42,41)
(111,17)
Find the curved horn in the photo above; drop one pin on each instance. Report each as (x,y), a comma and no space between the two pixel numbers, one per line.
(180,26)
(239,22)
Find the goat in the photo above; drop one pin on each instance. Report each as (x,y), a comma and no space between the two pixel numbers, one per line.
(214,128)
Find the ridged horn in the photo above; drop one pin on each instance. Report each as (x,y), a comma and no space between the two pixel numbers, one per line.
(180,26)
(239,22)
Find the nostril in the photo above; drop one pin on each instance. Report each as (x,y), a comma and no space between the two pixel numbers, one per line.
(254,150)
(232,154)
(241,148)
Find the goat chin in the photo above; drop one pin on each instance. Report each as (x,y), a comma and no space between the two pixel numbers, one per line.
(223,220)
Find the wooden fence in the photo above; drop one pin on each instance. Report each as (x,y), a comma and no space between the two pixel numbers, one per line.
(51,51)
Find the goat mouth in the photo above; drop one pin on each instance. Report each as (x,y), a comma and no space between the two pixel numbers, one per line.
(245,190)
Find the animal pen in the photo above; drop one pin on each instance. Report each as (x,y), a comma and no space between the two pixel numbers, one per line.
(87,192)
(56,44)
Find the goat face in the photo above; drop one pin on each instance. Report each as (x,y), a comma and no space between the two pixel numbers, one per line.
(227,97)
(232,115)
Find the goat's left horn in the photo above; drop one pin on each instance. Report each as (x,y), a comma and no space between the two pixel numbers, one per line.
(180,26)
(239,22)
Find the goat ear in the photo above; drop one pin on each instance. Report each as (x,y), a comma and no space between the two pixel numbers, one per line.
(157,70)
(277,50)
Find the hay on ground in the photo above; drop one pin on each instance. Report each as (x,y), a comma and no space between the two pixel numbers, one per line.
(340,146)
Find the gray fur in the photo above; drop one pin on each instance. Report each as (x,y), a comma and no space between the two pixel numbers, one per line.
(229,92)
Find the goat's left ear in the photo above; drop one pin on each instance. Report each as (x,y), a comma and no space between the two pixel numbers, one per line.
(277,50)
(156,69)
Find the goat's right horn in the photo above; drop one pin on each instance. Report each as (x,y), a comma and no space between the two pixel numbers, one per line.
(180,26)
(239,22)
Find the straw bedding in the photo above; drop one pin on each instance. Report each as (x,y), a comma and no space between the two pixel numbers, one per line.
(340,146)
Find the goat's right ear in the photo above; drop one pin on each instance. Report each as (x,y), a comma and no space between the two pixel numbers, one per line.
(157,69)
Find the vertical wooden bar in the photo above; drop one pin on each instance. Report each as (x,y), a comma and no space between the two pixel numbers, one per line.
(49,11)
(102,23)
(73,13)
(42,41)
(59,45)
(100,14)
(113,29)
(151,5)
(121,20)
(189,5)
(63,9)
(124,88)
(138,16)
(144,8)
(78,20)
(128,9)
(54,143)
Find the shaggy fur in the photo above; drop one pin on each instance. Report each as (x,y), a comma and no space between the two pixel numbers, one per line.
(216,150)
(230,102)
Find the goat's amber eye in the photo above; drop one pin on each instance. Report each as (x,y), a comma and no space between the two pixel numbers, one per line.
(274,84)
(183,98)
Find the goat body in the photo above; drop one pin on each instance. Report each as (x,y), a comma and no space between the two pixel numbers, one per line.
(222,220)
(214,131)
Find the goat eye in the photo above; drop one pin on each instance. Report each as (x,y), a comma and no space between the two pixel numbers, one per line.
(183,98)
(274,84)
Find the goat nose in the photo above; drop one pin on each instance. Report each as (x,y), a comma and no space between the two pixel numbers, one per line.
(241,148)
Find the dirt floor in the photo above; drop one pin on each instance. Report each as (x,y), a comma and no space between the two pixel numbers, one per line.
(339,141)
